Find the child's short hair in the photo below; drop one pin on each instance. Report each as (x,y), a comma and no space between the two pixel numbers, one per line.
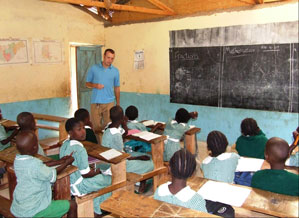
(131,112)
(24,118)
(249,127)
(277,149)
(182,164)
(217,143)
(81,114)
(71,123)
(182,116)
(116,113)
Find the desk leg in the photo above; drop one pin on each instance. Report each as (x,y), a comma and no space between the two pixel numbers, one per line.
(119,173)
(190,143)
(62,189)
(12,180)
(62,132)
(157,156)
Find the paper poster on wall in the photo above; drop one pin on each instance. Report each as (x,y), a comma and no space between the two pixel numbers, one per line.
(13,51)
(139,60)
(46,51)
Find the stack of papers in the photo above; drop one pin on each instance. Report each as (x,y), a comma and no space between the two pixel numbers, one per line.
(224,193)
(146,135)
(248,164)
(192,126)
(110,154)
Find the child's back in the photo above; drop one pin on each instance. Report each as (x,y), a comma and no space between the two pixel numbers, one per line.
(182,166)
(174,130)
(276,179)
(252,142)
(220,166)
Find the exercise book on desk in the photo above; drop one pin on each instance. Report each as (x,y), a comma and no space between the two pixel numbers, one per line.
(248,164)
(151,122)
(146,135)
(224,193)
(110,154)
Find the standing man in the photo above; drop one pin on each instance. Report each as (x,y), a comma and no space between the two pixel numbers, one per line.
(103,78)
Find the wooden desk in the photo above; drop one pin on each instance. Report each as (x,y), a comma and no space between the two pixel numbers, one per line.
(61,186)
(127,204)
(190,139)
(260,200)
(157,145)
(119,180)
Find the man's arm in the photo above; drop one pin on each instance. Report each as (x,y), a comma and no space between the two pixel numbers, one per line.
(94,85)
(117,94)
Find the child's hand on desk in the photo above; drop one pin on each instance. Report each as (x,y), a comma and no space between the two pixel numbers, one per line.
(68,160)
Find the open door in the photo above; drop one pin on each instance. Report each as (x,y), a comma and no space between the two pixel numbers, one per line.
(86,57)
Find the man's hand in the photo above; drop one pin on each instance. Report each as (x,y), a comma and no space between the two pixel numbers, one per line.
(99,86)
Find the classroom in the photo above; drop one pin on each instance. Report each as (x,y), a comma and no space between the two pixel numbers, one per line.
(43,85)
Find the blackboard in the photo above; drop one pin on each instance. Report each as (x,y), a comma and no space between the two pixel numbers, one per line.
(263,77)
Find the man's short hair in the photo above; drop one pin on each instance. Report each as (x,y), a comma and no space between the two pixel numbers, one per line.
(109,50)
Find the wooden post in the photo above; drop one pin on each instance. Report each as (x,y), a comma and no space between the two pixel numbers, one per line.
(157,156)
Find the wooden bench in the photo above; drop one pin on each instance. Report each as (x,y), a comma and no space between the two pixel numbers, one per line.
(128,204)
(49,144)
(5,205)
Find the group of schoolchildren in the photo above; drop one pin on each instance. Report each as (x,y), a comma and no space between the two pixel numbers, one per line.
(33,196)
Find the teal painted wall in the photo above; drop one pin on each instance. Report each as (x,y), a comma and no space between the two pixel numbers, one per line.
(226,120)
(51,106)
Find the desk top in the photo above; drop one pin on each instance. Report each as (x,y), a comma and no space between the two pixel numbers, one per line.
(94,150)
(153,141)
(8,155)
(128,204)
(260,200)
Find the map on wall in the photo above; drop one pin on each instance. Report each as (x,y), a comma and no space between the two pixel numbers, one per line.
(47,51)
(13,51)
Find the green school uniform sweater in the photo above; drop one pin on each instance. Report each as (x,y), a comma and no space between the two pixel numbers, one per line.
(252,146)
(278,181)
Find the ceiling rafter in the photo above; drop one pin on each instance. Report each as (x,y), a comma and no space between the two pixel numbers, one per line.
(92,3)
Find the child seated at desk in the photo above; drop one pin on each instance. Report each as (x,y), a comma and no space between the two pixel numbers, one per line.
(32,196)
(83,115)
(84,180)
(293,160)
(182,166)
(132,114)
(174,130)
(276,179)
(26,122)
(252,142)
(113,138)
(220,165)
(7,134)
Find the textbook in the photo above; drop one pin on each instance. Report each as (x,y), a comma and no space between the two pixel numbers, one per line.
(110,154)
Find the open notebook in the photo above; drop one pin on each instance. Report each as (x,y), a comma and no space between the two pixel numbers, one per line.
(224,193)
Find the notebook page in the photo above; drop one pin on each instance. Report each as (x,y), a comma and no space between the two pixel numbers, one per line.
(149,136)
(224,193)
(149,123)
(246,164)
(110,154)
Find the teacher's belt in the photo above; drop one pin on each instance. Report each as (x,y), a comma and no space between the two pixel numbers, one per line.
(171,139)
(74,189)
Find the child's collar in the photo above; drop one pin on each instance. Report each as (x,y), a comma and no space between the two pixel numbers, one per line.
(133,121)
(175,122)
(222,156)
(75,142)
(184,194)
(115,130)
(87,127)
(23,157)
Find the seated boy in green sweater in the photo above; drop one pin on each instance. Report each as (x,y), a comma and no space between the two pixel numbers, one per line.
(276,179)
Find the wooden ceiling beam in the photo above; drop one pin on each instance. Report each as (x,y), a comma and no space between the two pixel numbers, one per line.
(117,7)
(162,6)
